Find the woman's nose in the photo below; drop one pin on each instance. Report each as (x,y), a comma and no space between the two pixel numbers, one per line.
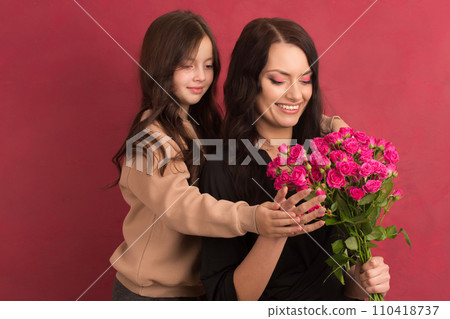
(199,75)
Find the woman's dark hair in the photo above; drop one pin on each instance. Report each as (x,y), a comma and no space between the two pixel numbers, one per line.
(169,40)
(242,86)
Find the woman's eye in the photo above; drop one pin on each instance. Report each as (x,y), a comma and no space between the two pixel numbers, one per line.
(306,80)
(209,66)
(275,81)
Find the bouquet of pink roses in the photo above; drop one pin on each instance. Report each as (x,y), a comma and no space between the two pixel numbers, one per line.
(355,172)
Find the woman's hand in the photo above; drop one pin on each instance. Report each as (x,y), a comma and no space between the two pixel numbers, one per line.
(373,276)
(282,218)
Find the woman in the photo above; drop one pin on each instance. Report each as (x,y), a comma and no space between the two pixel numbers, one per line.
(270,83)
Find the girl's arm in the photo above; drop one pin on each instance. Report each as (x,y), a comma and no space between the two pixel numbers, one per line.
(331,124)
(183,208)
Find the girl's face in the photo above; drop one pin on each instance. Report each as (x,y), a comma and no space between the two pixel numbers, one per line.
(194,76)
(285,63)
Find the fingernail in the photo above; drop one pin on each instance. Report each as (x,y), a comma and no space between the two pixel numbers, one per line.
(322,197)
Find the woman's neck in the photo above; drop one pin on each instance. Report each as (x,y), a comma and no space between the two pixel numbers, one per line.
(275,135)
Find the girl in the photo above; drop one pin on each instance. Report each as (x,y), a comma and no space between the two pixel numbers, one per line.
(159,259)
(269,56)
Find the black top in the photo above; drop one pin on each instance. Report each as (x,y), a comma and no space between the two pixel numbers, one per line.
(301,269)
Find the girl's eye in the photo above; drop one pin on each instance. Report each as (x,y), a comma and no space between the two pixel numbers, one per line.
(275,81)
(187,66)
(209,66)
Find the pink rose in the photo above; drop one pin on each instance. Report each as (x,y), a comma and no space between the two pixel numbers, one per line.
(345,168)
(391,156)
(283,148)
(391,168)
(372,186)
(389,146)
(381,170)
(320,145)
(356,193)
(335,179)
(381,143)
(318,160)
(316,174)
(279,161)
(372,142)
(304,186)
(361,137)
(366,169)
(271,170)
(298,175)
(366,154)
(333,137)
(278,184)
(320,192)
(398,193)
(296,155)
(336,156)
(346,131)
(314,208)
(351,145)
(284,177)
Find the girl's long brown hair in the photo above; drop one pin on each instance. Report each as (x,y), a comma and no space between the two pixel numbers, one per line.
(169,40)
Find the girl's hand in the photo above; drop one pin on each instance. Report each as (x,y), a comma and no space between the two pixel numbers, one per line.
(282,218)
(373,276)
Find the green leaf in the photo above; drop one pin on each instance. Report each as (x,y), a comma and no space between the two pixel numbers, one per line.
(337,246)
(371,245)
(406,236)
(334,206)
(369,198)
(332,221)
(391,231)
(367,228)
(383,233)
(378,212)
(371,213)
(374,234)
(337,259)
(385,190)
(342,205)
(340,275)
(383,204)
(351,243)
(310,196)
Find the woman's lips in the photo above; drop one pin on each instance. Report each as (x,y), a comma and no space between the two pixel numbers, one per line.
(288,108)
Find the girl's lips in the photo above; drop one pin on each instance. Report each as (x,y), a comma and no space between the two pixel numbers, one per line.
(196,89)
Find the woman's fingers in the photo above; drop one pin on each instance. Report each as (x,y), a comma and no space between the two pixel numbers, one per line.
(306,218)
(306,206)
(375,277)
(290,203)
(281,195)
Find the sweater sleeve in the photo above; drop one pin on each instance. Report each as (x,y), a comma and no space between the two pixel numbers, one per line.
(220,256)
(182,207)
(326,124)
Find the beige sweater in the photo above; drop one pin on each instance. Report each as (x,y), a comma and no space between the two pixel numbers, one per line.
(159,257)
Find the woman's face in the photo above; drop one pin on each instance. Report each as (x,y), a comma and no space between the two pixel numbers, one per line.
(285,64)
(194,76)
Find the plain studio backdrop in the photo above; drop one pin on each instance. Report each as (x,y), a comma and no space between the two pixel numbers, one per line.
(68,93)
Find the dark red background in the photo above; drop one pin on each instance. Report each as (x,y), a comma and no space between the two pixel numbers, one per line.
(68,94)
